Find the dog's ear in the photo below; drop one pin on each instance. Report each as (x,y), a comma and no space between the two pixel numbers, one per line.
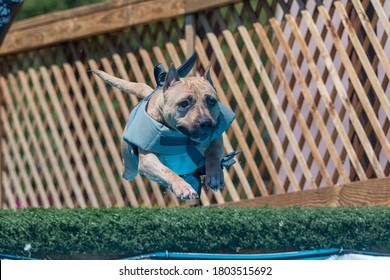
(171,77)
(207,75)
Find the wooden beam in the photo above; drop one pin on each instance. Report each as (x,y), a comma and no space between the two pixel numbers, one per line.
(374,192)
(96,19)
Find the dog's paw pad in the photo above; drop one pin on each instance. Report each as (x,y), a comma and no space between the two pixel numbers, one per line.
(215,181)
(184,191)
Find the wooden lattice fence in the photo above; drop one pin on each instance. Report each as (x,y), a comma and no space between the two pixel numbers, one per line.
(308,81)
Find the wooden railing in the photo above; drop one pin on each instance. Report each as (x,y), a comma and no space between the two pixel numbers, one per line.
(309,84)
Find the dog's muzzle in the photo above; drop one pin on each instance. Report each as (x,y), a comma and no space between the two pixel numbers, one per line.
(201,130)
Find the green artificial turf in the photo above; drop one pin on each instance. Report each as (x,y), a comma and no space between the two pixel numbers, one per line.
(124,232)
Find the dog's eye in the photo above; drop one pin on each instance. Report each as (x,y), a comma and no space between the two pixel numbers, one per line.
(211,102)
(184,104)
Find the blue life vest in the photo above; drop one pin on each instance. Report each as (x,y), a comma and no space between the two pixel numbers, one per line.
(174,149)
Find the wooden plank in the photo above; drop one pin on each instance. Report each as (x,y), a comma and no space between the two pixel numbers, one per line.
(89,24)
(192,6)
(84,10)
(81,23)
(374,192)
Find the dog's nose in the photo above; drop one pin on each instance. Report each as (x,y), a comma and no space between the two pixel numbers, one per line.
(206,124)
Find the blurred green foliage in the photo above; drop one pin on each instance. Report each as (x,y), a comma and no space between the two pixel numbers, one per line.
(31,8)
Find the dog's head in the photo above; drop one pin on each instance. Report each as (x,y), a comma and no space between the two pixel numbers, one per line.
(190,105)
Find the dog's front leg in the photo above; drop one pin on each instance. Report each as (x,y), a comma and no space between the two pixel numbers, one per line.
(214,174)
(152,168)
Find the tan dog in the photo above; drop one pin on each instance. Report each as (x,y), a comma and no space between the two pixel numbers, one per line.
(188,106)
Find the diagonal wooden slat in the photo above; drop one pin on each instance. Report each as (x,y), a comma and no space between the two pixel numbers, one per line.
(53,159)
(331,68)
(118,128)
(72,79)
(245,73)
(281,116)
(237,168)
(232,83)
(384,19)
(78,129)
(242,144)
(41,159)
(17,196)
(372,36)
(9,197)
(312,103)
(23,78)
(323,91)
(374,82)
(16,162)
(257,99)
(125,111)
(307,96)
(354,118)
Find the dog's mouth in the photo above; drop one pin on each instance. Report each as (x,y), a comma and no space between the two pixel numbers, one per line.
(196,135)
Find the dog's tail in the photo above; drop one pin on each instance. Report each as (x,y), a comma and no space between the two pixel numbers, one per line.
(138,89)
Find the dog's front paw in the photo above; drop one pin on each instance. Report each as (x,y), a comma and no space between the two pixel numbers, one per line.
(214,178)
(183,190)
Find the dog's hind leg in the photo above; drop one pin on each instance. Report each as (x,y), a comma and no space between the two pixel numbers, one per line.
(130,161)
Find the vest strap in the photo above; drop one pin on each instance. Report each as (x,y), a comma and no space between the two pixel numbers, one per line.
(195,155)
(173,141)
